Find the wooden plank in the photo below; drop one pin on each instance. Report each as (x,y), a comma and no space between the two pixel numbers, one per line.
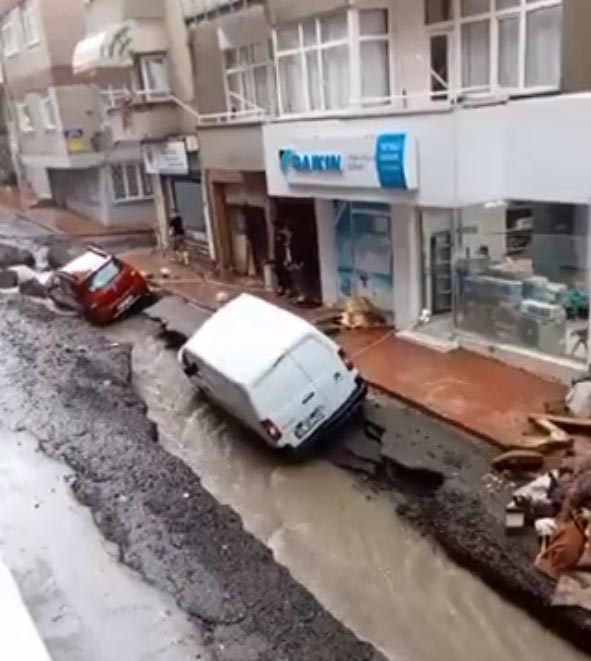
(564,421)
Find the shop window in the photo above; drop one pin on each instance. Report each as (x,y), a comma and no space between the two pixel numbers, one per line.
(508,44)
(521,276)
(249,78)
(129,182)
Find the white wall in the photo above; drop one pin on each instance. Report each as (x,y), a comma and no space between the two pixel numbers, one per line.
(533,149)
(327,251)
(407,266)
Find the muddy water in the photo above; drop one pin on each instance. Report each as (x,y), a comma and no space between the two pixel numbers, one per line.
(345,545)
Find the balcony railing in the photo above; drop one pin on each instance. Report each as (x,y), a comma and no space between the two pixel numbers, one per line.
(124,97)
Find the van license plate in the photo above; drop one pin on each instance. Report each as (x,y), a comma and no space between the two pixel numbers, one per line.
(313,420)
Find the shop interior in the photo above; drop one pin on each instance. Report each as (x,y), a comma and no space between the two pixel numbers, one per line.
(512,272)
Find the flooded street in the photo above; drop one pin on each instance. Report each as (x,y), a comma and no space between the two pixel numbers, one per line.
(342,542)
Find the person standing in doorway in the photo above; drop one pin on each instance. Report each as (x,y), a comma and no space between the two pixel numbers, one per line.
(283,259)
(176,233)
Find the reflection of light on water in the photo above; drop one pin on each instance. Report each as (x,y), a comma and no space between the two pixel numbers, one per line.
(344,544)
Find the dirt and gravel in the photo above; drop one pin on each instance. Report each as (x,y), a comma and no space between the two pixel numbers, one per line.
(463,510)
(63,382)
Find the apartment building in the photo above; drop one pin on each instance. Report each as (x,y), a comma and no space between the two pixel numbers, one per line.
(152,109)
(61,146)
(427,154)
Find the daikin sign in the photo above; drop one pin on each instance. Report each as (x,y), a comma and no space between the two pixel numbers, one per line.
(383,160)
(310,161)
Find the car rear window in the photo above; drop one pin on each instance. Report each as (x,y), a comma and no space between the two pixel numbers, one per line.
(104,276)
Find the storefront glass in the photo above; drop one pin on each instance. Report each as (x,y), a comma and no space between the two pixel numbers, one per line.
(520,274)
(364,252)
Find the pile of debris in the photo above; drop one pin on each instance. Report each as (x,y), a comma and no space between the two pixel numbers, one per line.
(557,504)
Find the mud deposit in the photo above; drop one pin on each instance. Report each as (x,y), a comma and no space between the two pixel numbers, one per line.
(65,384)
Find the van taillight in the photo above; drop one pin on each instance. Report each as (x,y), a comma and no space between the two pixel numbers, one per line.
(345,358)
(271,428)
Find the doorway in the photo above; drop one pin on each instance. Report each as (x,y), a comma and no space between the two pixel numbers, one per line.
(299,217)
(364,252)
(436,242)
(185,197)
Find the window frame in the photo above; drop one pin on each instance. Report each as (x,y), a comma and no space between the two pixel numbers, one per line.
(386,38)
(301,52)
(246,73)
(10,22)
(23,112)
(142,182)
(49,119)
(148,93)
(493,16)
(29,24)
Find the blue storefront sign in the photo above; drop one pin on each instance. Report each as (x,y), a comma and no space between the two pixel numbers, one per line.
(390,159)
(383,160)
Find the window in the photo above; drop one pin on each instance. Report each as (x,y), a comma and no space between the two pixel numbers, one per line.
(508,44)
(130,182)
(153,72)
(48,112)
(374,48)
(104,277)
(29,24)
(313,64)
(10,43)
(25,119)
(249,78)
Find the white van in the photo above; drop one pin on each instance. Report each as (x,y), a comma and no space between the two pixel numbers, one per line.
(273,371)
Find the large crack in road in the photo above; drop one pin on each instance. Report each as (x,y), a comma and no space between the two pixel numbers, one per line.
(68,386)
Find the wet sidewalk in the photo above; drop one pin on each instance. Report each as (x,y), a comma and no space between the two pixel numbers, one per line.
(479,395)
(62,221)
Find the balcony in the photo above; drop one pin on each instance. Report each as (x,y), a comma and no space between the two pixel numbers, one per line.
(137,115)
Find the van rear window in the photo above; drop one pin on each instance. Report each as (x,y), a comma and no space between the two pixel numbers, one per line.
(278,386)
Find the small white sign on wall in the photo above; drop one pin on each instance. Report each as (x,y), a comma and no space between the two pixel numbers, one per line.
(166,157)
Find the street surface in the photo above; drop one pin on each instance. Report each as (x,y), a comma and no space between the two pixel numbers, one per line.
(247,557)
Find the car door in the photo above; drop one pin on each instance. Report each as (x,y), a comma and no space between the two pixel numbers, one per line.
(289,398)
(333,382)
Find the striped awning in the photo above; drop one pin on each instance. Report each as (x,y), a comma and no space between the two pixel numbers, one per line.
(107,49)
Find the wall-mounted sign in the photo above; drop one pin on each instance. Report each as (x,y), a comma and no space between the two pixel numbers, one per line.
(386,160)
(166,157)
(74,140)
(310,162)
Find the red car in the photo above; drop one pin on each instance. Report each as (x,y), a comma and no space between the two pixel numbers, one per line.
(98,284)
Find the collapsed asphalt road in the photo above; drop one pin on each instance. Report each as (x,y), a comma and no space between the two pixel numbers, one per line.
(66,385)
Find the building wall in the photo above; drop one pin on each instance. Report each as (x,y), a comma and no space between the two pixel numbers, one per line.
(576,45)
(238,147)
(88,193)
(208,65)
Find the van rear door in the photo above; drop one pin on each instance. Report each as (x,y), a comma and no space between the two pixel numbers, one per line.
(287,397)
(333,381)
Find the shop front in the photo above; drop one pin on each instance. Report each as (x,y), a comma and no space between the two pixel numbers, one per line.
(509,276)
(178,191)
(363,187)
(241,213)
